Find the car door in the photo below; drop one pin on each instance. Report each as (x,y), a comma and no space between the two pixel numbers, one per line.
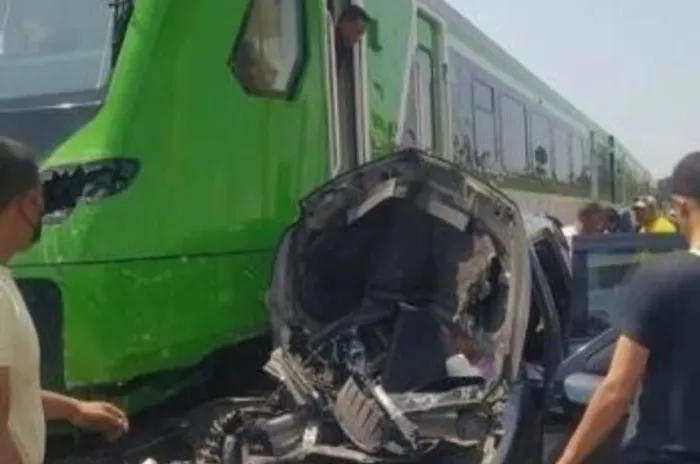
(554,294)
(575,382)
(600,266)
(542,354)
(524,419)
(559,418)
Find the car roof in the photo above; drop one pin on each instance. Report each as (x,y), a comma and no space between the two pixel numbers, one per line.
(630,242)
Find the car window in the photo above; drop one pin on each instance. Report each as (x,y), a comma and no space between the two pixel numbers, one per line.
(550,297)
(554,260)
(606,275)
(600,268)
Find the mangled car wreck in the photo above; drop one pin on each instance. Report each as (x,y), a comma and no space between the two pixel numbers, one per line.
(403,304)
(399,305)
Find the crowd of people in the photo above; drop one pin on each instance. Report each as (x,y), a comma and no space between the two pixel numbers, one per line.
(645,216)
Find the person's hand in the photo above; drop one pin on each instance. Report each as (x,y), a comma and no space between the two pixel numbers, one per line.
(103,418)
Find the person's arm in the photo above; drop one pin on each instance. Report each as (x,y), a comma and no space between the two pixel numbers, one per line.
(610,401)
(643,315)
(8,450)
(95,416)
(59,407)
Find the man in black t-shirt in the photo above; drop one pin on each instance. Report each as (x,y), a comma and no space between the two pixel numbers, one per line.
(658,349)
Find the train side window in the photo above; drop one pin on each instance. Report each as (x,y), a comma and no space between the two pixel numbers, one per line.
(513,135)
(426,92)
(420,122)
(462,117)
(541,144)
(269,53)
(483,96)
(562,155)
(578,157)
(485,124)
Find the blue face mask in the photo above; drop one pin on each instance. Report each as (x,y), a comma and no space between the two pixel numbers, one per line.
(36,226)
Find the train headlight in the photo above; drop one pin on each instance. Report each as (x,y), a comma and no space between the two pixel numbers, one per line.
(66,187)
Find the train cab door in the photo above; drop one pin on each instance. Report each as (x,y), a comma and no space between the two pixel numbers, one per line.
(425,121)
(348,114)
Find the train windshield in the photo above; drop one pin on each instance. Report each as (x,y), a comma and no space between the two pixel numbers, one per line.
(54,46)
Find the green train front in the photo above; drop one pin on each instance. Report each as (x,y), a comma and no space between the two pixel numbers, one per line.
(168,176)
(177,136)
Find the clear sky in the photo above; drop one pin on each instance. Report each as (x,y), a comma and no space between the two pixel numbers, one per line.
(632,65)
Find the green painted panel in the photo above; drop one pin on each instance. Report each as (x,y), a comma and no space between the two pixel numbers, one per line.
(123,320)
(387,67)
(176,266)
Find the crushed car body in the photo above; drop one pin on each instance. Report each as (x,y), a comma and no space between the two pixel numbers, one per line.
(418,317)
(399,303)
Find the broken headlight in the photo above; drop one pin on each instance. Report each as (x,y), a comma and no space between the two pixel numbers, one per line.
(65,187)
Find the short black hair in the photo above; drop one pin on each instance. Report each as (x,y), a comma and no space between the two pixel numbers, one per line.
(589,209)
(611,212)
(19,172)
(685,179)
(353,13)
(613,218)
(555,220)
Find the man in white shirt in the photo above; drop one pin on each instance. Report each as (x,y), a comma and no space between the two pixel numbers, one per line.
(24,406)
(591,219)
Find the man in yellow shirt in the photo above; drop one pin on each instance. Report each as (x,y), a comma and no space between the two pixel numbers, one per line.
(648,218)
